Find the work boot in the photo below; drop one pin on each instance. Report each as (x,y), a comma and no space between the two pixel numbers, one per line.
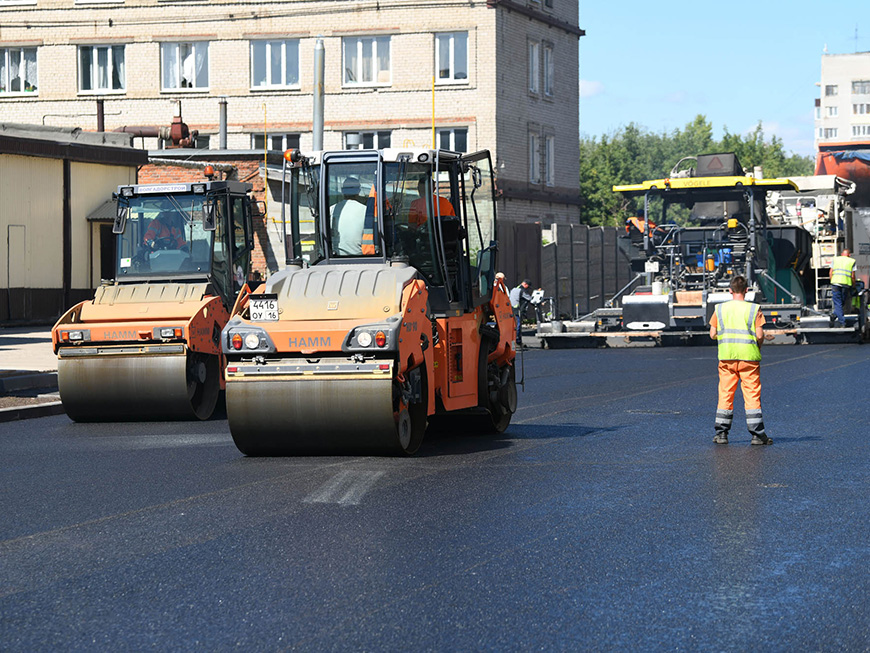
(721,438)
(763,439)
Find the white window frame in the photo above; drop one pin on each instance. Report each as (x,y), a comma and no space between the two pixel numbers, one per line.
(861,87)
(6,67)
(450,132)
(534,67)
(451,40)
(287,46)
(831,90)
(283,147)
(376,134)
(831,112)
(550,160)
(534,156)
(860,109)
(818,113)
(110,55)
(831,132)
(549,70)
(196,48)
(380,76)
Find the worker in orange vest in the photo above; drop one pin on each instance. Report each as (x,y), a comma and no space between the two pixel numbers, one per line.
(419,210)
(638,223)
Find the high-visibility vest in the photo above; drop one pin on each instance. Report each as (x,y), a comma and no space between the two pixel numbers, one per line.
(841,270)
(736,331)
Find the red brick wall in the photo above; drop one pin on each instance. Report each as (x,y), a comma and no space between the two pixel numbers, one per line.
(245,171)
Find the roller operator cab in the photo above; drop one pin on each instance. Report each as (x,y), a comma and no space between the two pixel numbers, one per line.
(147,347)
(387,314)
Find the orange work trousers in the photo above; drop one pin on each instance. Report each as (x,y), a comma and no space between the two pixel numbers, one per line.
(747,374)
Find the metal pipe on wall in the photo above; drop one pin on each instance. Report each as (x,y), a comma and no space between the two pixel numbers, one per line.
(319,67)
(222,103)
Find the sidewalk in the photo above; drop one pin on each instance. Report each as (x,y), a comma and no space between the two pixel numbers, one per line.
(28,374)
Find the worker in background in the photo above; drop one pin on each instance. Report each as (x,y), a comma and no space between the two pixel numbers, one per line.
(737,326)
(348,220)
(166,231)
(842,281)
(419,211)
(638,223)
(520,298)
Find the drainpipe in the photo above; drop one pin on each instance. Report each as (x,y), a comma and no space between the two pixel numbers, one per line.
(223,122)
(101,116)
(317,126)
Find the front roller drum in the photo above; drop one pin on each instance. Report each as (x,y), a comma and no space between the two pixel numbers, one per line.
(138,387)
(307,415)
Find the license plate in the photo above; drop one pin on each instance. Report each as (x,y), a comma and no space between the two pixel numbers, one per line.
(264,308)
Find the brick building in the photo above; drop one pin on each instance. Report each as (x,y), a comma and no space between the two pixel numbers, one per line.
(500,74)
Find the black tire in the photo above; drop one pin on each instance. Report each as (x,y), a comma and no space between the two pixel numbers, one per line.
(498,404)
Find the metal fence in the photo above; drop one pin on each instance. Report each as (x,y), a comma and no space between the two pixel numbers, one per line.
(579,266)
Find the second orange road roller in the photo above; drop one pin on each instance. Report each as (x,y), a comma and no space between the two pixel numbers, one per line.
(147,347)
(390,316)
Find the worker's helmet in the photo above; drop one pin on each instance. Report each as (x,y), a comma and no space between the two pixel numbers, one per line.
(350,186)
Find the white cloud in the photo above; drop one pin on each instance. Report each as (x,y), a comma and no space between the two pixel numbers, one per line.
(589,88)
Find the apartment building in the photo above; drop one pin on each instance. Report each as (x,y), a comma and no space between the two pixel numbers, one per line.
(843,107)
(459,74)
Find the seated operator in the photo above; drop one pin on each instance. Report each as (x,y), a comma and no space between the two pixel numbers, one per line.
(166,231)
(348,220)
(419,210)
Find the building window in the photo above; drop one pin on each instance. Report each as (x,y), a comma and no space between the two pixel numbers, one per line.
(101,68)
(550,160)
(830,89)
(830,132)
(534,67)
(548,4)
(451,57)
(534,157)
(367,140)
(831,112)
(185,65)
(202,142)
(277,142)
(367,61)
(818,113)
(18,70)
(860,109)
(860,130)
(549,70)
(455,140)
(861,87)
(821,132)
(275,64)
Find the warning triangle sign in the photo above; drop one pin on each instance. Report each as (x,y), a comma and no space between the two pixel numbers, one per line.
(715,164)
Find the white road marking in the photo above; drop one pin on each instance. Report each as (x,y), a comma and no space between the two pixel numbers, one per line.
(346,488)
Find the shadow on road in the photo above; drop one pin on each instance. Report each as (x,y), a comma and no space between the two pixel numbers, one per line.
(442,440)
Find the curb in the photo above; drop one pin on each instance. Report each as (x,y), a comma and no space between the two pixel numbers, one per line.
(30,412)
(35,381)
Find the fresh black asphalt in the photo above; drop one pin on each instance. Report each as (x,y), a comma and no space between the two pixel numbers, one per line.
(603,519)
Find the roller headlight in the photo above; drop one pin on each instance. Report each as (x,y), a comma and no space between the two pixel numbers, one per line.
(252,341)
(364,339)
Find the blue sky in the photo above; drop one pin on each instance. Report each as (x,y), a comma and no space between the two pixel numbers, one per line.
(659,64)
